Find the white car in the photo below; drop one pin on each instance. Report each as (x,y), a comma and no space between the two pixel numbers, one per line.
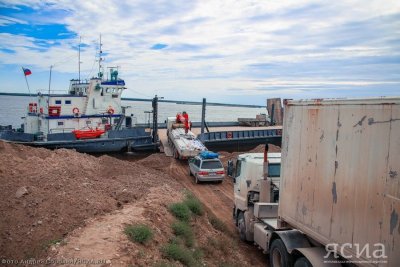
(206,169)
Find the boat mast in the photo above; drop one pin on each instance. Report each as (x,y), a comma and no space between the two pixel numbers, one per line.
(100,74)
(79,59)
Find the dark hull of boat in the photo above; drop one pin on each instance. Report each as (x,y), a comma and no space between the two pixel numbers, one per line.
(135,139)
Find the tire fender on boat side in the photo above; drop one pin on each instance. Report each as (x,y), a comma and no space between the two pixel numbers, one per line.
(110,110)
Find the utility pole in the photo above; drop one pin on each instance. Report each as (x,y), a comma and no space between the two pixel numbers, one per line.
(155,119)
(203,115)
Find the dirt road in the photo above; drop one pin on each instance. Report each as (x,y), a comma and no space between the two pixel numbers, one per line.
(218,198)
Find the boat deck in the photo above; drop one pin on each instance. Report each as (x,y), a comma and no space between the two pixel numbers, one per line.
(243,137)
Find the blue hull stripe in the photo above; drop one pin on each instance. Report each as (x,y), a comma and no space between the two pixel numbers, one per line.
(83,117)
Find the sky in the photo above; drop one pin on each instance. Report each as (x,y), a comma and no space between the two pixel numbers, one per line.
(224,50)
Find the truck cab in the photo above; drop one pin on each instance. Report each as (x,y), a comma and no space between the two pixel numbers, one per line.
(248,174)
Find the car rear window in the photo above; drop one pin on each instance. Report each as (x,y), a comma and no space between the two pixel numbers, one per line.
(211,165)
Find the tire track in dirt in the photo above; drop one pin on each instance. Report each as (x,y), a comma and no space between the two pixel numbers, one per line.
(214,196)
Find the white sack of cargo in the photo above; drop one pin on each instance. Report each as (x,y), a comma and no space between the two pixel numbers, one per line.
(183,142)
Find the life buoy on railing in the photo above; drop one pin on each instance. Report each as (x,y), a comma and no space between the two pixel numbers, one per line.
(75,110)
(110,110)
(229,135)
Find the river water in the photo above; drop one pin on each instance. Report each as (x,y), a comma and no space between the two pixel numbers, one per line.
(12,108)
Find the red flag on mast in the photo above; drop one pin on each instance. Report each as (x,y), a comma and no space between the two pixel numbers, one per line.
(27,71)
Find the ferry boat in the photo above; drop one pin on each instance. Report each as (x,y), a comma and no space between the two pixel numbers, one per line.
(89,118)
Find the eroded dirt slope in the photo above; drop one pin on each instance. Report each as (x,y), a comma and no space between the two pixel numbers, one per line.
(83,202)
(46,194)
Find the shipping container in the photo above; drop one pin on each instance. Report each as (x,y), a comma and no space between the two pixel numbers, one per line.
(340,177)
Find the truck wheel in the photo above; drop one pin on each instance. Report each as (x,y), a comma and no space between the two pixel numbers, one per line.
(302,262)
(190,172)
(242,226)
(279,257)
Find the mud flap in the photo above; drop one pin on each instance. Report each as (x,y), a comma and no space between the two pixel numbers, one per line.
(293,239)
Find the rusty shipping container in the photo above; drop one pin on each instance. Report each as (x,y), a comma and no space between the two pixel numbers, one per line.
(341,174)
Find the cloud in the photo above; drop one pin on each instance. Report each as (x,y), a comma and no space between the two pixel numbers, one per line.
(200,48)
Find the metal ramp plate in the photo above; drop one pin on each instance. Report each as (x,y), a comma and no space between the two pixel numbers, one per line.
(165,147)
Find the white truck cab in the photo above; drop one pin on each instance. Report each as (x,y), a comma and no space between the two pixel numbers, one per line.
(248,175)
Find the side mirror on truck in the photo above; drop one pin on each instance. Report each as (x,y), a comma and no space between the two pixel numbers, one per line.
(231,169)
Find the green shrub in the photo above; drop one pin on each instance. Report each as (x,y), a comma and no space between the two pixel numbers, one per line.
(184,230)
(180,211)
(198,254)
(217,224)
(194,204)
(139,233)
(179,253)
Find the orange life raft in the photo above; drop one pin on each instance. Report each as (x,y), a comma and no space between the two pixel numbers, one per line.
(88,134)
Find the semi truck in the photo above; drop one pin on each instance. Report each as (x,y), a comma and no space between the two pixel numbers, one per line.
(339,188)
(183,142)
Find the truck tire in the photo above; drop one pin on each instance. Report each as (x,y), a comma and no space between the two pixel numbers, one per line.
(241,223)
(302,262)
(278,255)
(190,172)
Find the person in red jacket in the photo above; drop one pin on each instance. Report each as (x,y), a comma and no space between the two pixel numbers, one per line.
(178,117)
(186,121)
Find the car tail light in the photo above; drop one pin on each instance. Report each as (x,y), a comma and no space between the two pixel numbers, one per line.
(220,172)
(202,173)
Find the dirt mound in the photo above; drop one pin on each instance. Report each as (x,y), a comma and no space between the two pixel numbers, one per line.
(81,201)
(226,156)
(103,238)
(260,149)
(46,194)
(157,161)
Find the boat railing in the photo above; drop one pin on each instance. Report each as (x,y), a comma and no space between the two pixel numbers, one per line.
(61,130)
(46,92)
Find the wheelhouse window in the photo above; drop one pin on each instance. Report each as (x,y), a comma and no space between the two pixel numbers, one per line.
(60,123)
(58,102)
(67,102)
